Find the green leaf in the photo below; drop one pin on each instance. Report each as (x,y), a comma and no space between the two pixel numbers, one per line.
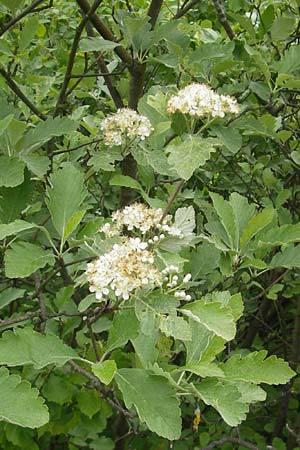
(147,317)
(256,368)
(102,443)
(14,228)
(213,316)
(282,27)
(256,224)
(14,200)
(96,44)
(204,369)
(65,196)
(250,393)
(125,326)
(242,211)
(86,302)
(23,258)
(104,159)
(290,61)
(4,123)
(145,348)
(282,235)
(154,400)
(126,181)
(175,326)
(105,371)
(11,171)
(72,224)
(236,305)
(89,402)
(9,295)
(39,165)
(184,220)
(229,137)
(225,398)
(227,217)
(20,403)
(209,51)
(189,154)
(45,130)
(201,337)
(215,346)
(138,32)
(245,23)
(289,258)
(58,389)
(28,32)
(25,346)
(204,260)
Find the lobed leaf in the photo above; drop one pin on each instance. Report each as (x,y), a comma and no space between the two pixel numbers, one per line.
(154,400)
(20,403)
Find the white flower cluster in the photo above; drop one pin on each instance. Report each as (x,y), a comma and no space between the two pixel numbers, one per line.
(141,218)
(200,100)
(126,124)
(125,268)
(172,282)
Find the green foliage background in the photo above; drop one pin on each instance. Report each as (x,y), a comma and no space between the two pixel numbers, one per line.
(78,373)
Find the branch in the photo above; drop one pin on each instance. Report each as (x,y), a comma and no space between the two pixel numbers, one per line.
(264,291)
(72,55)
(100,388)
(136,86)
(37,313)
(105,32)
(106,74)
(15,88)
(43,310)
(154,10)
(223,19)
(95,75)
(25,12)
(172,199)
(93,339)
(185,8)
(69,150)
(233,440)
(27,316)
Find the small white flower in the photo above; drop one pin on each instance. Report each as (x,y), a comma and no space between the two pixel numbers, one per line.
(187,278)
(182,295)
(200,100)
(125,268)
(125,125)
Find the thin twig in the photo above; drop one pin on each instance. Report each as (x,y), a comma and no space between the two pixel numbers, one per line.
(154,10)
(185,8)
(93,339)
(27,316)
(114,93)
(223,19)
(72,149)
(72,56)
(97,74)
(171,200)
(264,291)
(43,310)
(15,88)
(105,32)
(233,440)
(25,12)
(100,388)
